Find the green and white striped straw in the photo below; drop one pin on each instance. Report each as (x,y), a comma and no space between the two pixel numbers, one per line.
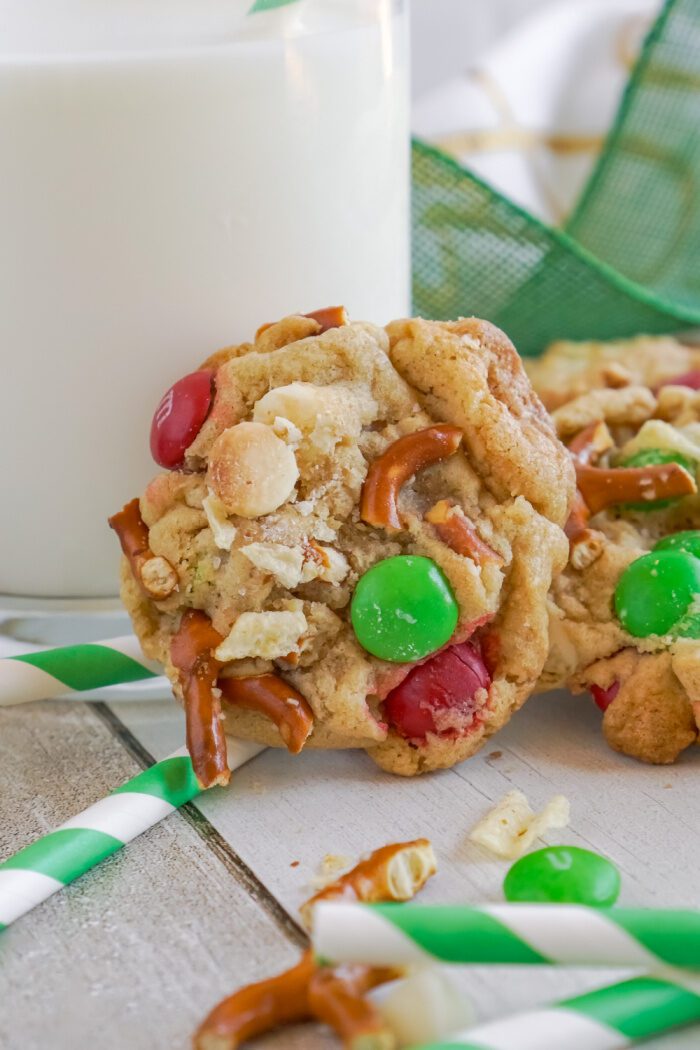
(559,934)
(47,865)
(608,1019)
(49,673)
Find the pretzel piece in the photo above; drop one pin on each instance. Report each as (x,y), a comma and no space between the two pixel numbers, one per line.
(455,529)
(154,574)
(401,460)
(192,653)
(590,443)
(333,995)
(338,998)
(329,317)
(257,1008)
(277,700)
(603,488)
(392,873)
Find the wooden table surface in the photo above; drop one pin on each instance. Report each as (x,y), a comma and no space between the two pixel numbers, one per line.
(136,952)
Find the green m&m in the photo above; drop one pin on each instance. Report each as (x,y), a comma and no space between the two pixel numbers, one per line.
(651,457)
(656,592)
(403,609)
(563,875)
(680,541)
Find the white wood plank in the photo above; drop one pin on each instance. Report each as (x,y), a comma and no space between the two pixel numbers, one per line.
(136,952)
(282,809)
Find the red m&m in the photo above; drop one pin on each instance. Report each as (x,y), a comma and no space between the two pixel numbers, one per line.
(179,418)
(439,696)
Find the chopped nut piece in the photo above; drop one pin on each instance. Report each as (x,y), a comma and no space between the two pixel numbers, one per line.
(511,827)
(266,634)
(251,470)
(455,529)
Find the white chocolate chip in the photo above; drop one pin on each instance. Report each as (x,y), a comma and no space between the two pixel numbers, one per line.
(424,1007)
(222,530)
(268,635)
(251,470)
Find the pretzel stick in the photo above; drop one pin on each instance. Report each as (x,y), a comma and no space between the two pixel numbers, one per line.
(272,696)
(258,1008)
(192,653)
(155,575)
(602,488)
(338,998)
(402,459)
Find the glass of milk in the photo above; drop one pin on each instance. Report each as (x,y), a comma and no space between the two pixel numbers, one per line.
(174,173)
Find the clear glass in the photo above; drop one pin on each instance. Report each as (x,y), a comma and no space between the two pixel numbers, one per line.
(174,173)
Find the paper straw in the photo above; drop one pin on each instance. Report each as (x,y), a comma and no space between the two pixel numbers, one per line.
(73,669)
(47,865)
(561,934)
(608,1019)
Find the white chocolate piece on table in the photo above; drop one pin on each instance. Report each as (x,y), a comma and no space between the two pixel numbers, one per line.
(510,828)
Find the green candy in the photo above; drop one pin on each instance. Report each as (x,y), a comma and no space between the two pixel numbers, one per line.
(650,457)
(404,609)
(563,875)
(680,541)
(656,592)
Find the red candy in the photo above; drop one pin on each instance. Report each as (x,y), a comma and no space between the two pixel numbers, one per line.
(179,418)
(604,697)
(689,379)
(439,695)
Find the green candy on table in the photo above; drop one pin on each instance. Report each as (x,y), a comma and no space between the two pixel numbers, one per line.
(563,875)
(651,457)
(689,542)
(656,594)
(404,609)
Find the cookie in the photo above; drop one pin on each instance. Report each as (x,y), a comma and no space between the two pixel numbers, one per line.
(353,540)
(569,369)
(622,616)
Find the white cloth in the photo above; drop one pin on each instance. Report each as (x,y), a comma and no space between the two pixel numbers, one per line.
(530,116)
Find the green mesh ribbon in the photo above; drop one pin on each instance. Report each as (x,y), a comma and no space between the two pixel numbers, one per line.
(627,261)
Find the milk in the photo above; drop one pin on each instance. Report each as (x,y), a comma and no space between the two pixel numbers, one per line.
(156,204)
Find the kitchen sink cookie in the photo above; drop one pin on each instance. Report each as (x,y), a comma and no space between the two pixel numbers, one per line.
(625,615)
(351,542)
(567,369)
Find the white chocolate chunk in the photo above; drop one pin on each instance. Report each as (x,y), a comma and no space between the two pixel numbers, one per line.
(511,827)
(223,531)
(268,635)
(251,470)
(324,414)
(286,564)
(292,566)
(334,572)
(424,1008)
(657,434)
(285,429)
